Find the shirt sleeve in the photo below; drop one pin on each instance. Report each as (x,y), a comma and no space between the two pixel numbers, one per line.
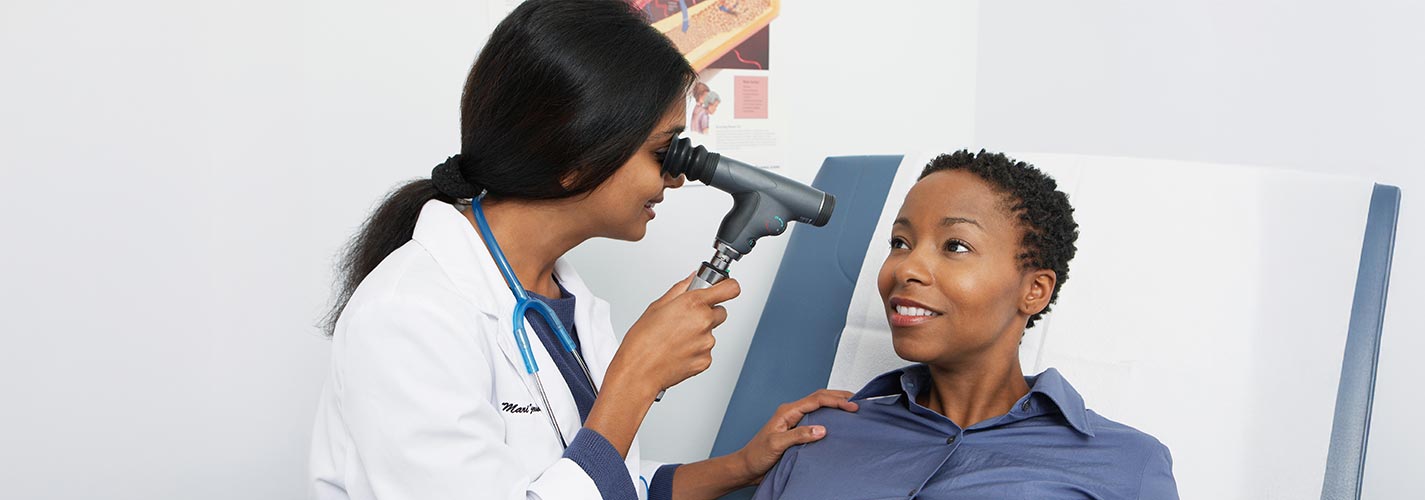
(1158,482)
(593,452)
(775,482)
(662,486)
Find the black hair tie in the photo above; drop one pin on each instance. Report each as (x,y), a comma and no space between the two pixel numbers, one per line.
(450,182)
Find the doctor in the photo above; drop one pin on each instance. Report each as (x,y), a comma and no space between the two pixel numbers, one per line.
(436,390)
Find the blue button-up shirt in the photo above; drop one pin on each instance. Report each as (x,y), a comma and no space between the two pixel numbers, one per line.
(1048,446)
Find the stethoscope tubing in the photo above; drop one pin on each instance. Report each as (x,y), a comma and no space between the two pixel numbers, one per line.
(524,304)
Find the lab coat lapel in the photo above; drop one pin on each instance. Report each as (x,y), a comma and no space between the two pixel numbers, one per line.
(455,244)
(445,232)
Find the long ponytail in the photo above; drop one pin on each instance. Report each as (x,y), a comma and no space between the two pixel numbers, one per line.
(390,226)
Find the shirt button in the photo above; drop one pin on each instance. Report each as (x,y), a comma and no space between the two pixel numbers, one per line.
(1024,407)
(950,440)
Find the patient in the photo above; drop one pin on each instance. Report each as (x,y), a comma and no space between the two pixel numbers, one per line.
(978,253)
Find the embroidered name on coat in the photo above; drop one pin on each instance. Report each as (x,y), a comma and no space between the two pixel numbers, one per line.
(514,408)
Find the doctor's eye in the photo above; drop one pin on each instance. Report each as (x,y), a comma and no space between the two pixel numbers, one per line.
(897,243)
(660,153)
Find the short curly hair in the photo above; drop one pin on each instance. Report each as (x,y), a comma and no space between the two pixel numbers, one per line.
(1044,211)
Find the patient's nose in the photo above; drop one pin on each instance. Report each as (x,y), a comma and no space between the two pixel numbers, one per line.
(910,270)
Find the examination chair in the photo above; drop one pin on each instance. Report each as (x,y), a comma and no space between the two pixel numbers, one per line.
(1260,351)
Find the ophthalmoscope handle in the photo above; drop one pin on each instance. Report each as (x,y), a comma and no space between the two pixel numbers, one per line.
(707,277)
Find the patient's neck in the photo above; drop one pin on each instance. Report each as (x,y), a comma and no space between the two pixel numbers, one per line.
(970,393)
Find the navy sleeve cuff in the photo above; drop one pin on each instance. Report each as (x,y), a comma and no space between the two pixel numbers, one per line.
(662,487)
(603,464)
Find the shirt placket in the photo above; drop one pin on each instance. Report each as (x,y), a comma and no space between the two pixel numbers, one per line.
(954,436)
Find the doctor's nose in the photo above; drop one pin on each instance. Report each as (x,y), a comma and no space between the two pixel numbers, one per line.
(673,182)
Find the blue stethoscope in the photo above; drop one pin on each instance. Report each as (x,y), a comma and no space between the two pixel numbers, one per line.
(523,304)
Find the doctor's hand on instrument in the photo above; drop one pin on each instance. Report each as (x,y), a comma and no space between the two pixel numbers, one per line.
(671,342)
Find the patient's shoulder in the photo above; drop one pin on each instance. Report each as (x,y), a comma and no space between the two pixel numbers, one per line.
(828,416)
(882,420)
(1127,439)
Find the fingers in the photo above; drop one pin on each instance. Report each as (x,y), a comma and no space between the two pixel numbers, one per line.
(719,316)
(843,399)
(800,435)
(824,398)
(723,291)
(791,413)
(784,430)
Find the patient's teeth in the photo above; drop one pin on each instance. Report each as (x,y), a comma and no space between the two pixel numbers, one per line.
(914,311)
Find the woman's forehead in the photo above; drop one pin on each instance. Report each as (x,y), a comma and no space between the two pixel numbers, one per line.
(955,193)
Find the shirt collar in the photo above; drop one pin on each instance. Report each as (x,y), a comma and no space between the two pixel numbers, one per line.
(1051,385)
(908,382)
(885,384)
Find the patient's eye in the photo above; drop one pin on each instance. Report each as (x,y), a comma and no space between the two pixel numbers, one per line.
(956,246)
(897,243)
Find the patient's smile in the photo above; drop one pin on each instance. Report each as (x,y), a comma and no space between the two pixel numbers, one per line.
(905,312)
(913,311)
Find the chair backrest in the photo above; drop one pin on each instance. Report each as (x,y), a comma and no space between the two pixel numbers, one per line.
(1232,312)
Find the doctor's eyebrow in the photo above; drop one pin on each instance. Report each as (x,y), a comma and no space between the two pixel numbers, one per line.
(946,222)
(667,135)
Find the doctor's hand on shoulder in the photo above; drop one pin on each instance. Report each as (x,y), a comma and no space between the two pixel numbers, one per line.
(781,432)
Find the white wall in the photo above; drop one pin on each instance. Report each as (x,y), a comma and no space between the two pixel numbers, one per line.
(1317,86)
(177,177)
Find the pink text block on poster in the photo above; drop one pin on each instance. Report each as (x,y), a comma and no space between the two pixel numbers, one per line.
(749,97)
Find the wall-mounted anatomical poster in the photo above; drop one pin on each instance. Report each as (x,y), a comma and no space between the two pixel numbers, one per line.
(730,108)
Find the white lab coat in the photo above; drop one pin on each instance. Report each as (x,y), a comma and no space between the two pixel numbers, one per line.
(427,384)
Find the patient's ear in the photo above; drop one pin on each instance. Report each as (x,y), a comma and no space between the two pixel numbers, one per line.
(1038,289)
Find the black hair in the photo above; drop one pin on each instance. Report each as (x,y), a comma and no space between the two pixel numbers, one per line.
(1043,211)
(562,95)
